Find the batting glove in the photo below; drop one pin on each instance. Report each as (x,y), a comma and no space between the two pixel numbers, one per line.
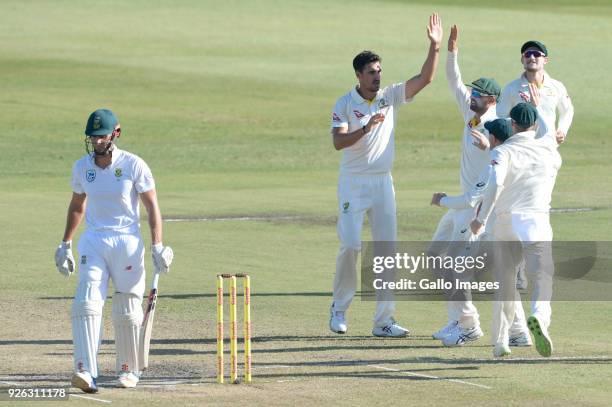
(162,257)
(64,260)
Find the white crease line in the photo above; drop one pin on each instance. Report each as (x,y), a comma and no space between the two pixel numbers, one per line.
(429,376)
(543,360)
(91,398)
(241,218)
(11,383)
(570,210)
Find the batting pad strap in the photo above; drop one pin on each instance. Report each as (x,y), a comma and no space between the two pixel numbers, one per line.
(86,327)
(127,319)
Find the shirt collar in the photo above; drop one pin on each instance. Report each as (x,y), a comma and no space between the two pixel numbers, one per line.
(359,100)
(545,80)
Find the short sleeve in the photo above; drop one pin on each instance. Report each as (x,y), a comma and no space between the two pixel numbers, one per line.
(76,184)
(339,118)
(143,180)
(398,94)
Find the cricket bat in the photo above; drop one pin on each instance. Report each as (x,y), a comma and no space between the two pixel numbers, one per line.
(147,325)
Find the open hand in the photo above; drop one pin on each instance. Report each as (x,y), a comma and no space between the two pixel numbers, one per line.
(434,29)
(452,39)
(480,140)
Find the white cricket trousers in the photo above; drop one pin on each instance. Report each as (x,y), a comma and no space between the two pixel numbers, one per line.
(452,230)
(358,195)
(533,235)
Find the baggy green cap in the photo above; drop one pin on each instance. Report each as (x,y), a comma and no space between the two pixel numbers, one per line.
(486,86)
(500,128)
(534,44)
(524,114)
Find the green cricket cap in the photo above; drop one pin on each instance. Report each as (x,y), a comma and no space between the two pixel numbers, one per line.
(501,129)
(534,44)
(486,86)
(101,123)
(524,114)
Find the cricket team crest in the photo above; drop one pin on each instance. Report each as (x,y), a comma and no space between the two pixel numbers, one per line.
(97,123)
(90,175)
(345,207)
(382,103)
(118,172)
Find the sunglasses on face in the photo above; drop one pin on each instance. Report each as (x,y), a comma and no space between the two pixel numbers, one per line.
(533,53)
(476,94)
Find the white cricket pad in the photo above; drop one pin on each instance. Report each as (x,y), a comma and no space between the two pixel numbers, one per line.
(127,318)
(86,325)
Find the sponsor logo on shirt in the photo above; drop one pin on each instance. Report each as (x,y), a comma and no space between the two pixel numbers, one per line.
(128,268)
(480,185)
(336,118)
(358,114)
(83,259)
(90,175)
(494,162)
(345,207)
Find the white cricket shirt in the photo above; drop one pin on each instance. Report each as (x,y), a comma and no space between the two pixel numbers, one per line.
(524,174)
(373,153)
(553,98)
(112,192)
(473,159)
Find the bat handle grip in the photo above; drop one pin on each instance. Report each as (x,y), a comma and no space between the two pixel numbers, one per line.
(155,280)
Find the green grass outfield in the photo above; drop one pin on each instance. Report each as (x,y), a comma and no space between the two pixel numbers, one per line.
(229,103)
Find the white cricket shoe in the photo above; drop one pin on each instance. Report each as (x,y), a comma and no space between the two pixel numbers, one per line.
(445,330)
(127,380)
(337,323)
(393,330)
(460,336)
(84,381)
(520,339)
(500,350)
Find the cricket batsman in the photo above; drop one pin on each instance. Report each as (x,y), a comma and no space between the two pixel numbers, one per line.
(107,184)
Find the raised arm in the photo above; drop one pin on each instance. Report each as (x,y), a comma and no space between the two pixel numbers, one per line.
(434,32)
(453,74)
